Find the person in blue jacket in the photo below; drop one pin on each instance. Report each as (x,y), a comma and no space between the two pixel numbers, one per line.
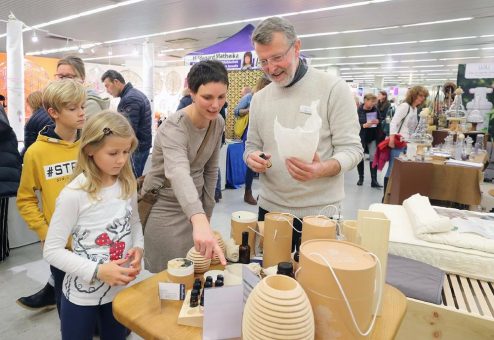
(10,175)
(39,119)
(136,107)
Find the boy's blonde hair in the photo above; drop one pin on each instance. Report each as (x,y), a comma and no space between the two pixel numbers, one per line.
(61,93)
(95,132)
(35,100)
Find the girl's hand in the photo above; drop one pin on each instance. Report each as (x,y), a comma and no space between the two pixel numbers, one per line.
(135,257)
(204,240)
(114,274)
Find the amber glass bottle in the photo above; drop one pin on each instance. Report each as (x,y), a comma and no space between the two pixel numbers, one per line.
(244,249)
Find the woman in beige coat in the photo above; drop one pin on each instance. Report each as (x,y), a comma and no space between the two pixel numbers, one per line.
(185,161)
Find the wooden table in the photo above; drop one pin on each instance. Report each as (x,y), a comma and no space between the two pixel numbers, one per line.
(435,180)
(138,308)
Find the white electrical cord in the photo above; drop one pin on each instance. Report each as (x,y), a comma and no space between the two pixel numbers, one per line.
(347,303)
(336,208)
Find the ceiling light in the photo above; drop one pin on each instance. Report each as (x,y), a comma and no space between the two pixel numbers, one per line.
(366,56)
(424,66)
(80,50)
(332,48)
(394,43)
(348,64)
(63,49)
(437,22)
(172,50)
(318,34)
(436,70)
(448,39)
(110,55)
(320,65)
(459,50)
(34,38)
(460,58)
(324,58)
(365,68)
(86,13)
(487,36)
(79,15)
(379,62)
(370,29)
(406,53)
(488,48)
(248,20)
(416,60)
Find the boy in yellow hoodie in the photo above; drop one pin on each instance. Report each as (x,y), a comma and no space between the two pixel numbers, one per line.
(48,165)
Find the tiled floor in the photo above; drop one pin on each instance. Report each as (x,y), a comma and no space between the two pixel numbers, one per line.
(25,272)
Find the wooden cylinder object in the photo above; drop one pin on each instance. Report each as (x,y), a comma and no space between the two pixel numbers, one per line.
(244,221)
(317,228)
(181,270)
(277,239)
(355,269)
(350,232)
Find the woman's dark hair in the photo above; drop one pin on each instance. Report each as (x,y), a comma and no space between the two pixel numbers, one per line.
(205,72)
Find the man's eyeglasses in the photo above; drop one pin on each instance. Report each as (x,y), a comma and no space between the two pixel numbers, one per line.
(275,59)
(65,76)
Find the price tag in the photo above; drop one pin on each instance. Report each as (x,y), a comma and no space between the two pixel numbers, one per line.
(171,291)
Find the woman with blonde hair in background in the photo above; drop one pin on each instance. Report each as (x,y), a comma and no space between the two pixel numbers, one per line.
(404,123)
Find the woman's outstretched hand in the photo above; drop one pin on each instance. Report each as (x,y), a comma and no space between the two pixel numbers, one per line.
(204,240)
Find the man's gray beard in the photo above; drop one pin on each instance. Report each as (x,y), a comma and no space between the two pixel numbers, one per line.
(283,83)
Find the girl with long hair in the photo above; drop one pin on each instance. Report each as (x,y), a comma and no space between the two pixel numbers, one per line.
(98,209)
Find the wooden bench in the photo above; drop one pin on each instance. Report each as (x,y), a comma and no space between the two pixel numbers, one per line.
(467,312)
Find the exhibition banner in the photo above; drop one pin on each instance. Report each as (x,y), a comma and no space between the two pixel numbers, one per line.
(232,60)
(236,52)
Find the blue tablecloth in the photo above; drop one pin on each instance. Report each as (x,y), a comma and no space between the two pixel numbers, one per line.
(235,166)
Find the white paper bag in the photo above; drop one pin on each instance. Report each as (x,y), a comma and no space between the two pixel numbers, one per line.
(300,142)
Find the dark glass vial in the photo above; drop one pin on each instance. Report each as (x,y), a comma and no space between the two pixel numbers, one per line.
(285,268)
(194,298)
(207,284)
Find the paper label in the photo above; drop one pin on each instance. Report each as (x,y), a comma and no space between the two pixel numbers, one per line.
(171,291)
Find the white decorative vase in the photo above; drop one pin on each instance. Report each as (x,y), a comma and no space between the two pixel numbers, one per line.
(201,264)
(278,308)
